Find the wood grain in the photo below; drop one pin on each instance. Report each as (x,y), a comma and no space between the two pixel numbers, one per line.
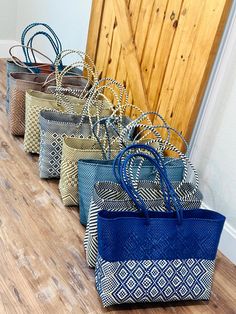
(130,54)
(42,263)
(162,51)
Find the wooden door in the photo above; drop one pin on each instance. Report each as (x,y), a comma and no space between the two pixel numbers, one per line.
(161,50)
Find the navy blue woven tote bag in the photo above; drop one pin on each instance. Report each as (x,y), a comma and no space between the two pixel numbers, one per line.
(110,196)
(149,256)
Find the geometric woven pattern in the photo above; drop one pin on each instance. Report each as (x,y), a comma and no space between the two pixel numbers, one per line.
(12,67)
(110,196)
(17,111)
(74,149)
(54,126)
(135,281)
(19,84)
(34,103)
(50,159)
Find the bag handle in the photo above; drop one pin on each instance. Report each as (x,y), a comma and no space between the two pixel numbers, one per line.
(60,91)
(18,62)
(148,148)
(96,92)
(107,123)
(83,58)
(167,189)
(30,44)
(56,40)
(152,129)
(68,70)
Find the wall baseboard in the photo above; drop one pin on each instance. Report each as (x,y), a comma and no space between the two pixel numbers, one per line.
(228,240)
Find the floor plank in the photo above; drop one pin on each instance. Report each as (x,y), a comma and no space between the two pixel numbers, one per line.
(42,265)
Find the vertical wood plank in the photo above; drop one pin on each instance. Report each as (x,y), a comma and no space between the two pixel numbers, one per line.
(162,51)
(130,56)
(94,28)
(106,32)
(188,60)
(155,72)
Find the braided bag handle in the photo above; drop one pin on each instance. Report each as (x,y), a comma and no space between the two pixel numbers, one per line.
(57,46)
(61,92)
(168,192)
(82,57)
(31,41)
(95,98)
(187,164)
(31,68)
(92,74)
(120,106)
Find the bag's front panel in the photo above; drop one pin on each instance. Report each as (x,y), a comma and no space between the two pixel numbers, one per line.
(12,67)
(32,131)
(68,184)
(18,89)
(51,139)
(156,260)
(110,196)
(161,280)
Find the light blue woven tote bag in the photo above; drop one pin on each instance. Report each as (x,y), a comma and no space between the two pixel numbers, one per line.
(92,171)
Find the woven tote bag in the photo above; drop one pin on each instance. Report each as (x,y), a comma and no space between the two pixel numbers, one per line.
(153,256)
(35,102)
(54,126)
(10,68)
(19,84)
(110,196)
(74,149)
(92,171)
(31,65)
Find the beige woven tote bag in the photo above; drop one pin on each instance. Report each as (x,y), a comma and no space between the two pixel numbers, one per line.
(38,101)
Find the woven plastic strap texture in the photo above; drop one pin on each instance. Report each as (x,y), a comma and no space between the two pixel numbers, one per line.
(35,102)
(92,171)
(110,196)
(12,67)
(74,149)
(120,234)
(53,128)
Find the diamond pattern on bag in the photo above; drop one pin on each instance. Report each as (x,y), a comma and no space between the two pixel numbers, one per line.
(154,284)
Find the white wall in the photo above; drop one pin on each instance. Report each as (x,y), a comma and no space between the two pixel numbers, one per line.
(214,146)
(8,19)
(69,19)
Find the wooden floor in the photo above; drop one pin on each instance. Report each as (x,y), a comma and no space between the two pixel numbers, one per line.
(42,264)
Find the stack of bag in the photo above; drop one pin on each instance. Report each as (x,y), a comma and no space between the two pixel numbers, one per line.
(146,234)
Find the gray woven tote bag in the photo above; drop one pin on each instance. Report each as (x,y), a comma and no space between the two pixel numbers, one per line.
(54,126)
